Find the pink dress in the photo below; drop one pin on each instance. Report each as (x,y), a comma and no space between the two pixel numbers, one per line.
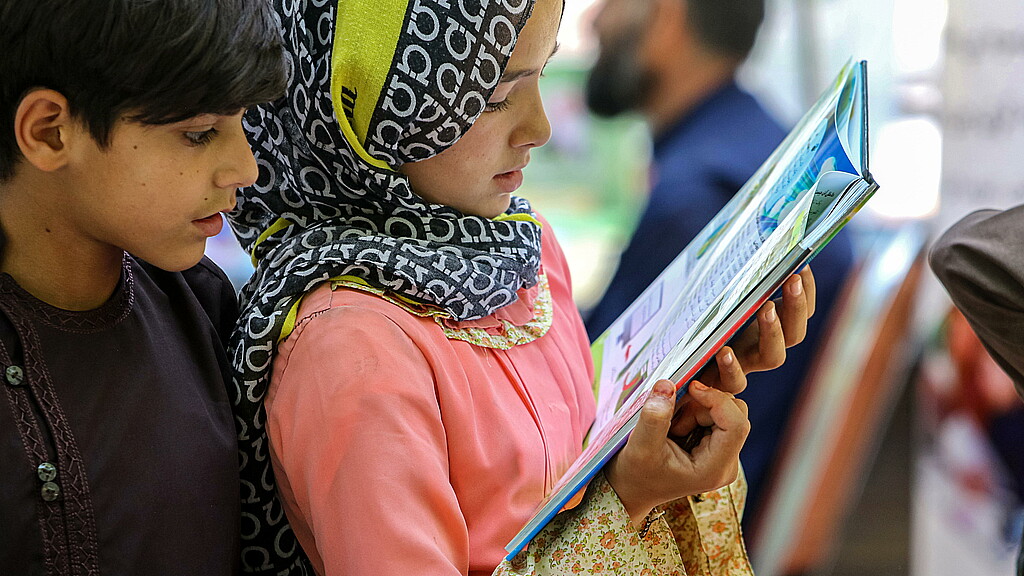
(408,444)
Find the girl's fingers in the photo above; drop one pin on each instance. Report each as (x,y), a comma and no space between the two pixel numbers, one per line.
(771,342)
(794,311)
(810,290)
(726,412)
(730,428)
(731,378)
(726,374)
(655,419)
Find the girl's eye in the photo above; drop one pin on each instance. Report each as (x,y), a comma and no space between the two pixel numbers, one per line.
(496,106)
(200,138)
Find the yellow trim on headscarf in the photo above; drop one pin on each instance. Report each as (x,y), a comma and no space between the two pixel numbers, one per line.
(520,217)
(510,335)
(288,326)
(360,61)
(289,320)
(278,225)
(353,280)
(350,280)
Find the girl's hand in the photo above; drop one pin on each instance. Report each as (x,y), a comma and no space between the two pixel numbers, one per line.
(780,324)
(653,468)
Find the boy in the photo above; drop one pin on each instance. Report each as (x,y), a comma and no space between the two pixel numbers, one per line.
(120,144)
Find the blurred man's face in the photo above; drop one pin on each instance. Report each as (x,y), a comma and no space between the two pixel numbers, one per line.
(618,81)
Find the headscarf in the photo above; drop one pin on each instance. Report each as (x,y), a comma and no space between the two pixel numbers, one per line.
(373,84)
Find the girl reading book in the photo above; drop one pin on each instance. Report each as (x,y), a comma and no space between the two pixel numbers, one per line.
(412,375)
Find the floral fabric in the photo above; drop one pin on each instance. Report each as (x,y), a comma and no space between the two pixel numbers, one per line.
(695,537)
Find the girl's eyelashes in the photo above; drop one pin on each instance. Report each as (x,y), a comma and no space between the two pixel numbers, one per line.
(200,138)
(496,106)
(504,103)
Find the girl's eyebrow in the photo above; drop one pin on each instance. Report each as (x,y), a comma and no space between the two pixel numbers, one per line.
(513,75)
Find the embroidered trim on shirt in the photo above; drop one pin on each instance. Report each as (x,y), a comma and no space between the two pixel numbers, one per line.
(109,314)
(507,336)
(67,524)
(511,335)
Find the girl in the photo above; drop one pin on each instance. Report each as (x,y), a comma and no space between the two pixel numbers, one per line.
(410,331)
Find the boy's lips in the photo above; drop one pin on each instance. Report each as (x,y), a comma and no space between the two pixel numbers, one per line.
(211,225)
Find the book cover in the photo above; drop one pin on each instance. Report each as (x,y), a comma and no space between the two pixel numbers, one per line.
(806,191)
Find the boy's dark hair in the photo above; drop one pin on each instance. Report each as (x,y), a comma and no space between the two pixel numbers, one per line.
(159,61)
(727,27)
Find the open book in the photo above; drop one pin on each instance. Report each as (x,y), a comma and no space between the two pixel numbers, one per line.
(806,191)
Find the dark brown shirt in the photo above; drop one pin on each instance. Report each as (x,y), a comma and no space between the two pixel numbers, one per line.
(980,261)
(117,444)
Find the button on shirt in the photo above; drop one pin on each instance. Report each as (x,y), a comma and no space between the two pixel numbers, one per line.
(116,437)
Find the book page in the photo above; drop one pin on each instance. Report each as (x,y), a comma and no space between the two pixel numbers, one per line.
(707,301)
(851,118)
(667,313)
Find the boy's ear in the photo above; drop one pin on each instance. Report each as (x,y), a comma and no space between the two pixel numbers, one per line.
(42,126)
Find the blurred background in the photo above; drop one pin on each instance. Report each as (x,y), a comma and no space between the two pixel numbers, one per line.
(890,463)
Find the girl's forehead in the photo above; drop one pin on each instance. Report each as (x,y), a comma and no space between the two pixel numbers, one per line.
(538,39)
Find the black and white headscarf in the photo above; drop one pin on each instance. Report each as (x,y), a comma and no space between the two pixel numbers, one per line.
(373,84)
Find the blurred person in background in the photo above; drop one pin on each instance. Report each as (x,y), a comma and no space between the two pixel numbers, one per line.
(980,263)
(986,394)
(675,63)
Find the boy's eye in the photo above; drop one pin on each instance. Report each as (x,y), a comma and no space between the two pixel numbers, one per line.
(200,138)
(496,106)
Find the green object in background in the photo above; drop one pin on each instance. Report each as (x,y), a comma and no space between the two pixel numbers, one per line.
(590,180)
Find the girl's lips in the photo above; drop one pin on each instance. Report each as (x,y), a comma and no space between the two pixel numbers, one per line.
(211,225)
(509,182)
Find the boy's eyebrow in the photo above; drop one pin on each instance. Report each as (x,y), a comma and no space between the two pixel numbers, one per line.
(512,75)
(203,118)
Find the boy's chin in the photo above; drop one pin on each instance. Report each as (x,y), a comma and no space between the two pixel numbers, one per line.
(174,260)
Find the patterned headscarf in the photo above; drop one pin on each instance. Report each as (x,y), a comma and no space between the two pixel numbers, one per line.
(373,84)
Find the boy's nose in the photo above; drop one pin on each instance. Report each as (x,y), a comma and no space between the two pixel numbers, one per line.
(239,169)
(249,170)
